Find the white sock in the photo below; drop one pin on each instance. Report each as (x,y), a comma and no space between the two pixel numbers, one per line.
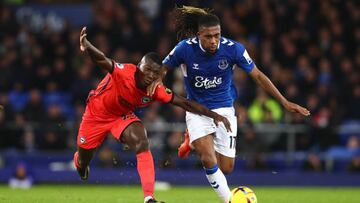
(218,182)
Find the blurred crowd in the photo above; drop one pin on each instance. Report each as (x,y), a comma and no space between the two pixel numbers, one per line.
(309,49)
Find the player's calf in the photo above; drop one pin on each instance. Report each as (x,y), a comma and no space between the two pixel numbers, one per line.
(142,145)
(226,169)
(82,171)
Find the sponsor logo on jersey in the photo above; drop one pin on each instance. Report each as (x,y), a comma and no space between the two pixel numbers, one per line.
(223,64)
(122,100)
(195,66)
(206,82)
(145,100)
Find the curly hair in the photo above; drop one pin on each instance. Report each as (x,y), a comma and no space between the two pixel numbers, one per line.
(188,19)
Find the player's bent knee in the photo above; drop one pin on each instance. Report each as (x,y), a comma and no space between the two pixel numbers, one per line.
(227,169)
(208,160)
(142,145)
(226,166)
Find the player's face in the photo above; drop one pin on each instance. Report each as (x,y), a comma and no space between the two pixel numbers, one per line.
(149,72)
(209,38)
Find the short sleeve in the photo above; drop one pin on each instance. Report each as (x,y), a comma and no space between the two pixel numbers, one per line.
(242,58)
(176,56)
(119,70)
(163,94)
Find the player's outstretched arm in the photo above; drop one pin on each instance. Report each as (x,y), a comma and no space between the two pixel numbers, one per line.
(262,80)
(197,108)
(95,54)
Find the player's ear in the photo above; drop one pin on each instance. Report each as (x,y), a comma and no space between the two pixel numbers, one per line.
(143,61)
(139,64)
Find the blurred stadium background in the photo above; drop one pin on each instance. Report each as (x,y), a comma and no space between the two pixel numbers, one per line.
(309,49)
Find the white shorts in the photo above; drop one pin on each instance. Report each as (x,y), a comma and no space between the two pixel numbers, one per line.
(200,126)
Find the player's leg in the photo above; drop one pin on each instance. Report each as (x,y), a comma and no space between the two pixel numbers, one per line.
(82,158)
(225,142)
(226,163)
(205,150)
(225,160)
(91,134)
(135,137)
(131,131)
(204,147)
(201,133)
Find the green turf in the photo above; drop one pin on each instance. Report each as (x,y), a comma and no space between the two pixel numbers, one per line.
(123,194)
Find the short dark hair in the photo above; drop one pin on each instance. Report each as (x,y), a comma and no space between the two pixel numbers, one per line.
(154,57)
(208,20)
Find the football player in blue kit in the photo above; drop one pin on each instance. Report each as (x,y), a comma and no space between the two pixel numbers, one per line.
(207,60)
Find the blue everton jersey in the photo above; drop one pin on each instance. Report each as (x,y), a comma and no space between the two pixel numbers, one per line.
(208,77)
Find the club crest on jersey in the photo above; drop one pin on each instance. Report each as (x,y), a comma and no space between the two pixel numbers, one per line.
(119,65)
(145,100)
(223,64)
(168,91)
(82,140)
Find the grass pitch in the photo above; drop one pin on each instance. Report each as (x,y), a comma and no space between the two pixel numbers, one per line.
(133,194)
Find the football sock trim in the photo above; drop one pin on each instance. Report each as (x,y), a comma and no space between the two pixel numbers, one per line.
(212,170)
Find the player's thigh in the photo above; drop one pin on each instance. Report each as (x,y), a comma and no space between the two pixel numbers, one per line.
(225,142)
(204,147)
(199,126)
(131,131)
(91,134)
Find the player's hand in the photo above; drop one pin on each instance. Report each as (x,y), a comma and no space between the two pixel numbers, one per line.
(152,87)
(218,118)
(83,39)
(292,107)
